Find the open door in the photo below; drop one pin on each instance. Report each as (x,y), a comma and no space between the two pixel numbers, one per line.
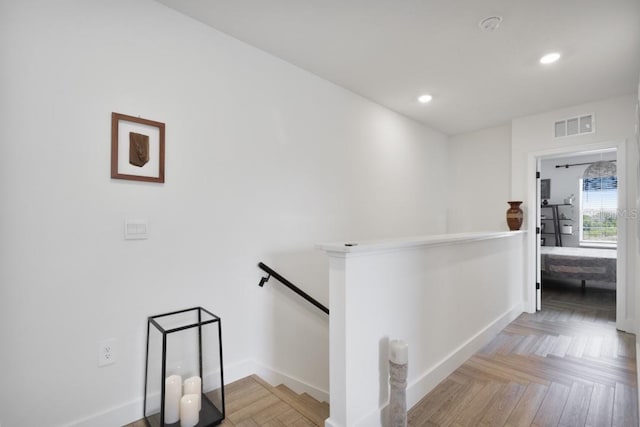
(538,281)
(536,161)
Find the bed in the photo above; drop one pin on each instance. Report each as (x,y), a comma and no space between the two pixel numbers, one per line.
(578,263)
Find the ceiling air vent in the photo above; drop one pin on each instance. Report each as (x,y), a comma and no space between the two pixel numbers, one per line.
(574,126)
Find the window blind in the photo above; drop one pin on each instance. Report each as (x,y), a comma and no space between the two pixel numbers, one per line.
(598,210)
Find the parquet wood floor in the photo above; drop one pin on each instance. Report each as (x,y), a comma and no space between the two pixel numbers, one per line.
(251,402)
(566,365)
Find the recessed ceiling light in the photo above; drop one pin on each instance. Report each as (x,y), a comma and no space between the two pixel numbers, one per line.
(550,58)
(423,99)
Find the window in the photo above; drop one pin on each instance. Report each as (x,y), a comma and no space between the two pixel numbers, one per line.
(598,211)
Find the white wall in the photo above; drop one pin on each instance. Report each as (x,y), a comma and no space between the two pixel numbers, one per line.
(614,123)
(263,160)
(479,180)
(636,256)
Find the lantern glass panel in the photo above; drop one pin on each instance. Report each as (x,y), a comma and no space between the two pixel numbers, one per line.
(187,343)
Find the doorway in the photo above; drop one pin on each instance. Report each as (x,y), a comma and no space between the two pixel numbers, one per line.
(578,198)
(575,234)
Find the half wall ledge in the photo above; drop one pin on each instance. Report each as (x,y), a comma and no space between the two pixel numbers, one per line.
(414,242)
(445,295)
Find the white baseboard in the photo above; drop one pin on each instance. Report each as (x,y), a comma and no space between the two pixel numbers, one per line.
(421,386)
(272,376)
(418,388)
(118,416)
(239,370)
(132,411)
(275,377)
(626,325)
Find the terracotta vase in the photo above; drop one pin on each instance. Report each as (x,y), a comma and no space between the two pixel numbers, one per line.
(514,216)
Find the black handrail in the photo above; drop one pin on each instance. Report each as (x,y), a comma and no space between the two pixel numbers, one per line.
(289,285)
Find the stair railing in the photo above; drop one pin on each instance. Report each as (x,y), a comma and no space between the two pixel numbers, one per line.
(288,284)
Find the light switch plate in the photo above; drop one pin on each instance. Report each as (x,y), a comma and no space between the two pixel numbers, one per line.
(136,229)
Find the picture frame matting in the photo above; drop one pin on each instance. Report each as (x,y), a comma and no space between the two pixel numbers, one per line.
(137,148)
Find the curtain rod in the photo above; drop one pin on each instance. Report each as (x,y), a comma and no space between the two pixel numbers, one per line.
(580,164)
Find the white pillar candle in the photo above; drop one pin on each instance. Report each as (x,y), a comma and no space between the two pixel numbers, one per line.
(189,413)
(193,385)
(399,352)
(172,394)
(198,398)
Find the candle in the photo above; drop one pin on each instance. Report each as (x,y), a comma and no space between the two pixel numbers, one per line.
(189,413)
(398,352)
(193,385)
(172,394)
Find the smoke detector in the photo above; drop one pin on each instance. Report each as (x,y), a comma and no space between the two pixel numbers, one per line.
(490,24)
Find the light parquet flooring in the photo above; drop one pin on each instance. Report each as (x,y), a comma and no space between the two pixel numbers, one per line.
(251,402)
(566,365)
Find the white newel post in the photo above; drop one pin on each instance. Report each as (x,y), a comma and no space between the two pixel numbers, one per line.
(398,364)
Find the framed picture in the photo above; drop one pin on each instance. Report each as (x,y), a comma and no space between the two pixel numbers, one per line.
(137,148)
(545,189)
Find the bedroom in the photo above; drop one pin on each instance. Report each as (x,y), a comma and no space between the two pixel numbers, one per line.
(578,249)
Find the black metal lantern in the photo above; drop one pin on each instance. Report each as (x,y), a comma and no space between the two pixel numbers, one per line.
(184,380)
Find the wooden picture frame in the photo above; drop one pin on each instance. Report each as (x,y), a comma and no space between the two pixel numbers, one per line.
(137,148)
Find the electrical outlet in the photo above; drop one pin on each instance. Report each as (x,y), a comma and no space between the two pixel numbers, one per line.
(107,352)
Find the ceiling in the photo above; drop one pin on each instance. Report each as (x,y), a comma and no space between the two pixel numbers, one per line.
(391,51)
